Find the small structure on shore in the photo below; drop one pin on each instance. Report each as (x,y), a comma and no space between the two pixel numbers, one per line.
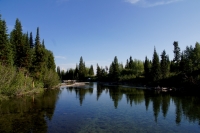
(69,81)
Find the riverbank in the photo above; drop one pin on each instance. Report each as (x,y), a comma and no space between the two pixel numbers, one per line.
(77,84)
(161,88)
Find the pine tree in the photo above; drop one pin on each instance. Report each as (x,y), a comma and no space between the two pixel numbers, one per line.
(116,72)
(58,71)
(177,55)
(50,61)
(196,56)
(6,57)
(17,42)
(164,65)
(127,64)
(76,76)
(31,41)
(26,55)
(81,72)
(43,44)
(147,68)
(183,63)
(131,65)
(98,73)
(155,70)
(91,71)
(40,56)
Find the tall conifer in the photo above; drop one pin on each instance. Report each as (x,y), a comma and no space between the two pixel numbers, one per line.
(6,57)
(155,70)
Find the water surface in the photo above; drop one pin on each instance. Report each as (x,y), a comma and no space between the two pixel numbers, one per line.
(96,108)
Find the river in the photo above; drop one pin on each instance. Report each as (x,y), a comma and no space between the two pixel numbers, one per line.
(95,108)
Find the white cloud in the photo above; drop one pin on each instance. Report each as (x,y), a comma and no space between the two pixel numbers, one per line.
(132,1)
(152,3)
(163,2)
(60,57)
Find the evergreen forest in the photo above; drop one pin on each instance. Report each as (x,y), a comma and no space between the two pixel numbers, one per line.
(182,72)
(25,64)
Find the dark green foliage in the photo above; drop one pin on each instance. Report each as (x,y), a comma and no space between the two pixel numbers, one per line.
(50,60)
(81,71)
(58,72)
(114,70)
(91,71)
(164,65)
(98,73)
(23,66)
(17,42)
(196,56)
(6,56)
(127,64)
(69,75)
(177,56)
(147,69)
(31,41)
(50,78)
(155,69)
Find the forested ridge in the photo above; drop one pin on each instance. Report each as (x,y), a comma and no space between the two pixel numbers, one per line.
(25,64)
(183,71)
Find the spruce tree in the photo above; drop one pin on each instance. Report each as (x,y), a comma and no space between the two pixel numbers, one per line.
(43,44)
(116,72)
(183,63)
(26,55)
(131,65)
(38,63)
(17,42)
(147,68)
(164,65)
(177,56)
(6,57)
(76,75)
(155,70)
(196,56)
(31,41)
(127,64)
(81,72)
(50,61)
(58,71)
(91,71)
(98,73)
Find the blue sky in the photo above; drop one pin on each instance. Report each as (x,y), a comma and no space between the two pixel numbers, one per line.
(98,30)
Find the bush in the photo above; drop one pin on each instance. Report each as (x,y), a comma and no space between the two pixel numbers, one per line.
(51,79)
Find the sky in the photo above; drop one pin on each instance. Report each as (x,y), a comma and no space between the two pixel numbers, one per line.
(99,30)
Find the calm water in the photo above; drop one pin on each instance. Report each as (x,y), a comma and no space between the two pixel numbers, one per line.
(101,109)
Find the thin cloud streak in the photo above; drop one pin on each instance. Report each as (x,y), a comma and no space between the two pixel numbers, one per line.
(160,3)
(148,3)
(132,1)
(60,57)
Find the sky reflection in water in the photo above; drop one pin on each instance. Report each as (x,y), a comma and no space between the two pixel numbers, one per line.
(101,109)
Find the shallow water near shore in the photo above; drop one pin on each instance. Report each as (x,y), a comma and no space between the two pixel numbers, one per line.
(97,108)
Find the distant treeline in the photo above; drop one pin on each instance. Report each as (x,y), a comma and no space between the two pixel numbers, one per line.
(25,65)
(183,70)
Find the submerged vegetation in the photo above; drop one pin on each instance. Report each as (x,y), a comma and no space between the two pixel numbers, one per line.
(25,65)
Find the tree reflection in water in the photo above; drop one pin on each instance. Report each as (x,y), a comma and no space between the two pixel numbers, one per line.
(187,106)
(26,114)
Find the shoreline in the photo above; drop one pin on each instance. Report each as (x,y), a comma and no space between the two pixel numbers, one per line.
(77,84)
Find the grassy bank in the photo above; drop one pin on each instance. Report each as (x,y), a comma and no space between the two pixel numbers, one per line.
(18,82)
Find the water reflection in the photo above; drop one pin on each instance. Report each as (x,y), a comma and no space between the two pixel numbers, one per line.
(98,108)
(28,114)
(186,107)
